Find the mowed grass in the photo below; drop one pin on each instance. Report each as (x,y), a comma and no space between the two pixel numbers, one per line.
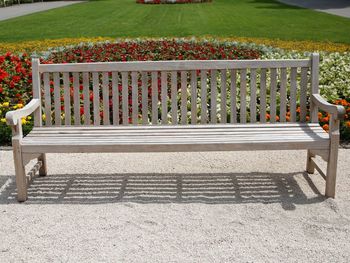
(221,18)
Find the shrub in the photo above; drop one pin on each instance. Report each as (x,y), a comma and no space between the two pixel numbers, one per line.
(15,70)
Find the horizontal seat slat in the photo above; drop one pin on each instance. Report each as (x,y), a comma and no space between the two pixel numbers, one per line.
(187,127)
(183,138)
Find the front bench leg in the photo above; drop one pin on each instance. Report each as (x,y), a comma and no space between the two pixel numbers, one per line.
(21,179)
(43,168)
(334,136)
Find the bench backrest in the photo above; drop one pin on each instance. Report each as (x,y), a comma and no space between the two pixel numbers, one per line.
(175,92)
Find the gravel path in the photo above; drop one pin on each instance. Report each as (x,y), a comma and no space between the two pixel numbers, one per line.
(25,9)
(334,7)
(176,207)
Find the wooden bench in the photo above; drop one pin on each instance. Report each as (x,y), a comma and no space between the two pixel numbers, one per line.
(174,106)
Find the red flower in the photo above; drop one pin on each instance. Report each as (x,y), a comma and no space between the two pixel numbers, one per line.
(3,74)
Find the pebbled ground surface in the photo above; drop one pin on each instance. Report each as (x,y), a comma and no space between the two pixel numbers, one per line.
(176,207)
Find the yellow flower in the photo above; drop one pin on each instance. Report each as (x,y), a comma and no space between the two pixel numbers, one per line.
(6,104)
(44,117)
(3,120)
(24,121)
(29,118)
(19,105)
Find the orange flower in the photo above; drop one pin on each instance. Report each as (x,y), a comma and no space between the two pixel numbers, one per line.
(325,127)
(277,118)
(320,115)
(307,118)
(325,119)
(347,124)
(287,118)
(298,110)
(267,116)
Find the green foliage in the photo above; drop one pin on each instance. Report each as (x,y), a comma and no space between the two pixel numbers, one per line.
(221,18)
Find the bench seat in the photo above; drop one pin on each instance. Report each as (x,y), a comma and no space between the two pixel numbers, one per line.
(225,137)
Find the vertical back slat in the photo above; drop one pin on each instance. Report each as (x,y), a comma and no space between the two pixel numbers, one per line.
(47,92)
(223,113)
(273,90)
(57,97)
(193,97)
(164,91)
(204,107)
(67,103)
(144,80)
(76,98)
(115,97)
(243,102)
(105,98)
(134,97)
(86,95)
(154,97)
(314,85)
(233,97)
(174,97)
(283,95)
(96,99)
(125,98)
(253,95)
(213,96)
(183,97)
(263,95)
(303,94)
(36,82)
(293,94)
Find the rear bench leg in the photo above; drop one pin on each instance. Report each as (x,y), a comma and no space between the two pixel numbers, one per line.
(310,167)
(43,168)
(21,179)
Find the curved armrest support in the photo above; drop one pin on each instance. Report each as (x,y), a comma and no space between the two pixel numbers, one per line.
(336,110)
(12,117)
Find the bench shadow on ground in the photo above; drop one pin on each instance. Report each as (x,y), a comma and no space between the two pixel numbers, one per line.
(209,188)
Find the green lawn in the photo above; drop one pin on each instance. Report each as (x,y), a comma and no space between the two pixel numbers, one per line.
(221,18)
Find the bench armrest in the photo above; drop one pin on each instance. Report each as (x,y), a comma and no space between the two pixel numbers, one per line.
(337,111)
(12,117)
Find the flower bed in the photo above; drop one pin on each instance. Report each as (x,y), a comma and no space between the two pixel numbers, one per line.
(171,1)
(15,70)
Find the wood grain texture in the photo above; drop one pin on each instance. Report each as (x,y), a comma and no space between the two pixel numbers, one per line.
(273,97)
(174,97)
(67,101)
(47,97)
(253,95)
(263,96)
(233,97)
(243,96)
(105,98)
(213,96)
(223,93)
(57,97)
(154,97)
(204,99)
(96,97)
(293,94)
(86,94)
(283,95)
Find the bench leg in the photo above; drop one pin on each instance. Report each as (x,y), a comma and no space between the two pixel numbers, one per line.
(310,168)
(43,168)
(21,179)
(332,167)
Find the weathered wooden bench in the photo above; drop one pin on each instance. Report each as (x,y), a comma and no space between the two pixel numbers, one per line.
(174,106)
